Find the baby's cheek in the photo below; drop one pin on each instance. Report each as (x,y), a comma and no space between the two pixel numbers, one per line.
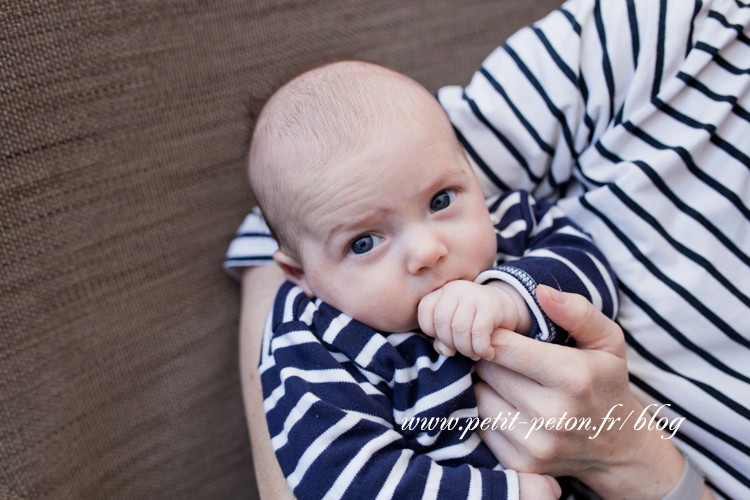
(484,251)
(395,310)
(367,302)
(491,255)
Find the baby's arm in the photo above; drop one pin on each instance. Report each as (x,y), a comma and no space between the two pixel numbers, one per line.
(462,315)
(537,244)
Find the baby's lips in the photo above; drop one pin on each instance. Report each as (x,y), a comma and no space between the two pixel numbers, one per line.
(441,284)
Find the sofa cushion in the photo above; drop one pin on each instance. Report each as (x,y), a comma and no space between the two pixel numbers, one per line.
(124,127)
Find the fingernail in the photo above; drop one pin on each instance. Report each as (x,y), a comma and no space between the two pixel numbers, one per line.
(442,349)
(552,294)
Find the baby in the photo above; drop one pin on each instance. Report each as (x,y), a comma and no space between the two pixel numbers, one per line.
(383,232)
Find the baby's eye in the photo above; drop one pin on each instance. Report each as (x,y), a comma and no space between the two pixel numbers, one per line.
(442,200)
(365,243)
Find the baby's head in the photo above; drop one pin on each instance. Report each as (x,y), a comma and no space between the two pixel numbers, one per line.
(361,178)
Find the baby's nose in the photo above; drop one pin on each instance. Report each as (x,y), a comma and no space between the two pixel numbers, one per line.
(426,250)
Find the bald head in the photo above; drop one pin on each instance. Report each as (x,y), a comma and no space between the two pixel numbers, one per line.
(315,121)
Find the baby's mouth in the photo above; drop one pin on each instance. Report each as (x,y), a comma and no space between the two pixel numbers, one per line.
(438,287)
(441,285)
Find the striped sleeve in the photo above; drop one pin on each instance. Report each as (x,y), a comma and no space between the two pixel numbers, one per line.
(253,245)
(545,96)
(336,395)
(634,116)
(538,244)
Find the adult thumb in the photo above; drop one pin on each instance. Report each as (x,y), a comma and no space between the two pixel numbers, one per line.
(589,326)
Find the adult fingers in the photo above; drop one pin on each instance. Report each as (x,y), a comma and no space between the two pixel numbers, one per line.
(528,357)
(538,487)
(517,437)
(503,448)
(518,390)
(590,328)
(491,405)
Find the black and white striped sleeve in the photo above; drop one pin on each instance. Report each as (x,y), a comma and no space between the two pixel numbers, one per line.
(537,244)
(254,245)
(540,100)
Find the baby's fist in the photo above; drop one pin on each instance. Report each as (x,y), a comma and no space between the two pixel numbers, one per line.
(463,315)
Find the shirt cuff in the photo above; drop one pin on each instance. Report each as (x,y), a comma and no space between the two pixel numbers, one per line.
(254,245)
(542,328)
(690,485)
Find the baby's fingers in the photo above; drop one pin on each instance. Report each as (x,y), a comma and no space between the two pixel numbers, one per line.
(482,346)
(481,335)
(461,329)
(426,313)
(443,349)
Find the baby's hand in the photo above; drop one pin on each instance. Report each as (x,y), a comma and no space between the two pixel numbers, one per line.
(462,315)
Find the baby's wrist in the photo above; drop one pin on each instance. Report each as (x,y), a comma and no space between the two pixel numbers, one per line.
(514,299)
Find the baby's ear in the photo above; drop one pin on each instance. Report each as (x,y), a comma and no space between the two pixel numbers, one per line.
(293,271)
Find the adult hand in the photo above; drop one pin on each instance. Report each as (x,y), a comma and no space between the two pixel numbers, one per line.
(546,381)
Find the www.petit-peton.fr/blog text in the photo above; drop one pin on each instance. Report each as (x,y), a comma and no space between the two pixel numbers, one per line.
(509,421)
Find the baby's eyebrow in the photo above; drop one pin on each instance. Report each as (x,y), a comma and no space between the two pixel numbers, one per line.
(369,219)
(372,217)
(445,177)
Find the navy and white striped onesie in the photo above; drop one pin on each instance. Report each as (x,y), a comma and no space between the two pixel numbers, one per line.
(337,392)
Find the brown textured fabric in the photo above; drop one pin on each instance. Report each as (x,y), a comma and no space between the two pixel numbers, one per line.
(122,131)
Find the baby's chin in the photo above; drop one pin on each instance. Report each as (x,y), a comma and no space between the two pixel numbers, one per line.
(394,325)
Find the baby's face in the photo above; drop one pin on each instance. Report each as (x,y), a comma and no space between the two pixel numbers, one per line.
(394,222)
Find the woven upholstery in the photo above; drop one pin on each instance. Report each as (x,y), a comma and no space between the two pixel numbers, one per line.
(123,126)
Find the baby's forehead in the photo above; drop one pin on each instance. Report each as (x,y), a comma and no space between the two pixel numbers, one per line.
(386,178)
(328,115)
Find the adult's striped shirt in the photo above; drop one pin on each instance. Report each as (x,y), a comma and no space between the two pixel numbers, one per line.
(354,413)
(634,116)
